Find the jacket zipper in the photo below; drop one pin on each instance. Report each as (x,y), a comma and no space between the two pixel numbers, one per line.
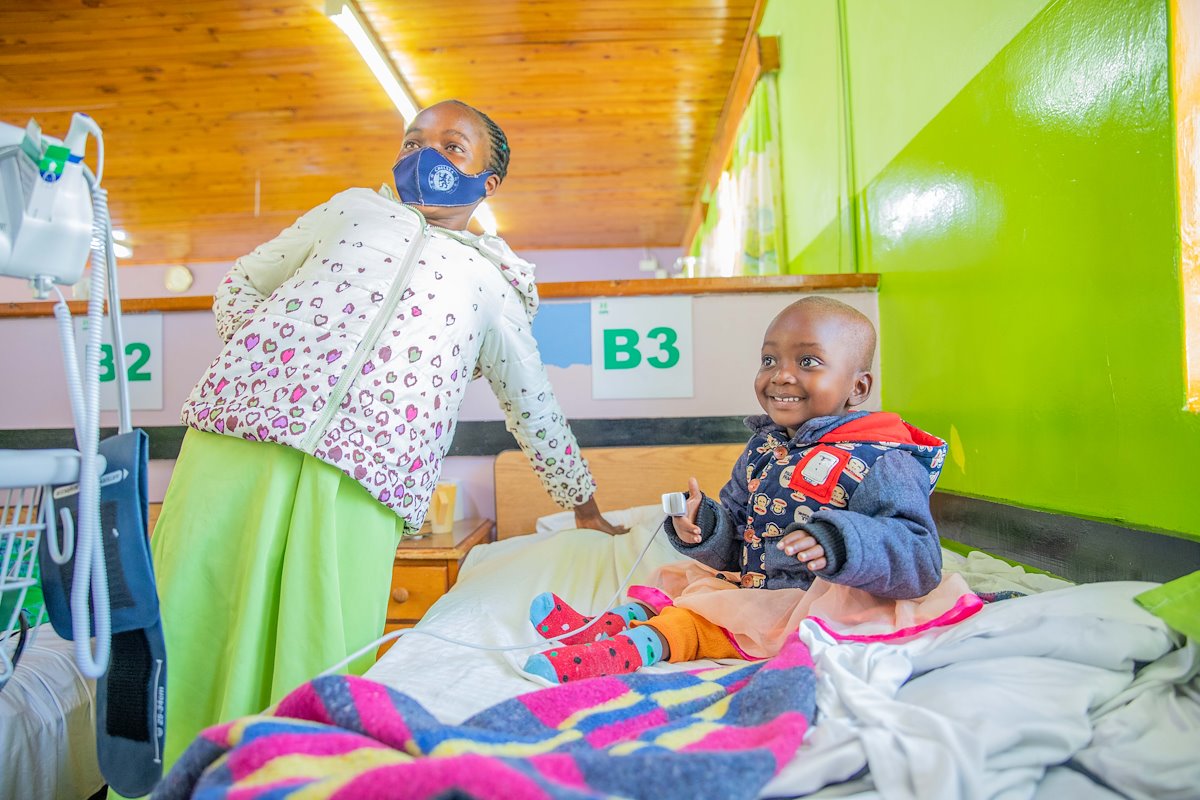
(367,345)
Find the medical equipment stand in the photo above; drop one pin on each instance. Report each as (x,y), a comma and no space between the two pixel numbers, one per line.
(27,476)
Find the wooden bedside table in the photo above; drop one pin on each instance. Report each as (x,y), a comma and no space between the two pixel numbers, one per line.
(426,568)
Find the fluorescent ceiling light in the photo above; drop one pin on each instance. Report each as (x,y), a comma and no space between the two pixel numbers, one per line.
(347,17)
(486,219)
(121,251)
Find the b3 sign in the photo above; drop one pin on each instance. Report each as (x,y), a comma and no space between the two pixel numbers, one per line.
(641,347)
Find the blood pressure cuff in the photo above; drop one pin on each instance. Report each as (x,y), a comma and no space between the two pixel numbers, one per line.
(131,695)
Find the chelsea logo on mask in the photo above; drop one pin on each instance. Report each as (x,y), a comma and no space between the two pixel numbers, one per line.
(442,178)
(427,178)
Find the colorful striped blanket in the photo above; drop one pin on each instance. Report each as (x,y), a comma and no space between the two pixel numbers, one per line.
(720,732)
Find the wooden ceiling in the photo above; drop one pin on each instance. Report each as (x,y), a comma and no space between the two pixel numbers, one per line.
(225,120)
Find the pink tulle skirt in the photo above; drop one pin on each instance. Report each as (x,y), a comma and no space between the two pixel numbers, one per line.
(759,620)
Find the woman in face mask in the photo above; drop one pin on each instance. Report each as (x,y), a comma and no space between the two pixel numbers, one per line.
(317,436)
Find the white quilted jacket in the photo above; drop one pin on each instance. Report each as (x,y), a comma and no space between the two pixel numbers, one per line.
(326,353)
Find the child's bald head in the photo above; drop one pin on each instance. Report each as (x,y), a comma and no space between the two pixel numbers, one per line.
(852,327)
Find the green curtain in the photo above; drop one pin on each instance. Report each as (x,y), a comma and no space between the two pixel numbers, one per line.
(743,231)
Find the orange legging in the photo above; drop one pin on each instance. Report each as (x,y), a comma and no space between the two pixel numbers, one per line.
(691,636)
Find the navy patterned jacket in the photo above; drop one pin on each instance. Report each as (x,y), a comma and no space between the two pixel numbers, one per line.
(858,483)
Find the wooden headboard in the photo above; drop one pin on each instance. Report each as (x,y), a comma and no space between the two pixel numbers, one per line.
(625,477)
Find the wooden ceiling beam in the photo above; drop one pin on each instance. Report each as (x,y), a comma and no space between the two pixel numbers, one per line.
(610,106)
(764,58)
(759,55)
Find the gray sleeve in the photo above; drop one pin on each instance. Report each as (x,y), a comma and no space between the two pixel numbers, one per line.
(885,542)
(721,524)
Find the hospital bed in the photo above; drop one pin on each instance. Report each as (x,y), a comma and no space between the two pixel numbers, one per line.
(1034,696)
(1060,691)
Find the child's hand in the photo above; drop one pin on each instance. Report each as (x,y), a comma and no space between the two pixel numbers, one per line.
(685,527)
(805,548)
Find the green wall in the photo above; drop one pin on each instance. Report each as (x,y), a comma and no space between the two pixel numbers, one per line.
(1013,164)
(892,98)
(811,128)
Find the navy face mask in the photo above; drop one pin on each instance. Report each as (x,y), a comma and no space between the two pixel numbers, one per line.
(427,178)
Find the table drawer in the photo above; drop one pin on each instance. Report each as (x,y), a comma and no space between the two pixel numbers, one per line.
(414,590)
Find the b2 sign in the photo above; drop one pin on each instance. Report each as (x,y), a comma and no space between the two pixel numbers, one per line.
(143,360)
(641,347)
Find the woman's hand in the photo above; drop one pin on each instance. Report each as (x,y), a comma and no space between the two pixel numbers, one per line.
(685,527)
(587,515)
(805,548)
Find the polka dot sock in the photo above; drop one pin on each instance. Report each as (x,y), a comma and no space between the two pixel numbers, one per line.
(551,616)
(625,652)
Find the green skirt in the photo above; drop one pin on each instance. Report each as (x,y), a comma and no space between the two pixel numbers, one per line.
(271,567)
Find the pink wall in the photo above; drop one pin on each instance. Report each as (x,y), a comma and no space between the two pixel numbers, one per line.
(727,332)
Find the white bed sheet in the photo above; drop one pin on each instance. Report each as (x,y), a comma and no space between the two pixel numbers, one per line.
(47,725)
(984,709)
(489,605)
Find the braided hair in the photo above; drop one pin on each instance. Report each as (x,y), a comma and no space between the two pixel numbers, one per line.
(500,153)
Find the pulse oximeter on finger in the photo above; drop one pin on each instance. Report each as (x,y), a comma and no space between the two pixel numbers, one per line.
(674,504)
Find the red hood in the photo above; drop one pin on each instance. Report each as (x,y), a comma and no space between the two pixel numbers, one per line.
(881,426)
